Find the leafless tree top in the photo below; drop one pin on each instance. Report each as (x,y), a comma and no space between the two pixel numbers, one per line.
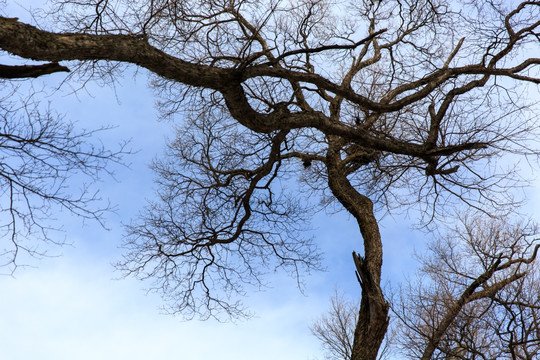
(371,103)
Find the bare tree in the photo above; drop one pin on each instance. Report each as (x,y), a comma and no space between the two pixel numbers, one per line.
(377,104)
(335,329)
(477,295)
(41,155)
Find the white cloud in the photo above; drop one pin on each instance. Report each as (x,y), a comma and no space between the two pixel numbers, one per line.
(73,310)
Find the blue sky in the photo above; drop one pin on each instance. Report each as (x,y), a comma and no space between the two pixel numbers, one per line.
(74,307)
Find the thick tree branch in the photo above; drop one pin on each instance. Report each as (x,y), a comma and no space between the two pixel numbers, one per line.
(32,43)
(29,42)
(451,314)
(25,71)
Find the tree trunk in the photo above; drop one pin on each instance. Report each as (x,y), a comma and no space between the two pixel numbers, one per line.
(373,314)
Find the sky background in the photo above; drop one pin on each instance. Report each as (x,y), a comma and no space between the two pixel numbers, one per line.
(74,306)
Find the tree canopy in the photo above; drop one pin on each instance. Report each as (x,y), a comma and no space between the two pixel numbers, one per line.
(372,105)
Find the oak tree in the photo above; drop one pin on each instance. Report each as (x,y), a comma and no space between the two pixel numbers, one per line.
(378,105)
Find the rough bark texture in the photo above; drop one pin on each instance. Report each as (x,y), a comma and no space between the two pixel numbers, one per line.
(29,42)
(373,314)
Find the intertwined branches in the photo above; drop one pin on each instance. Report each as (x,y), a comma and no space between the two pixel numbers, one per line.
(46,167)
(476,295)
(223,217)
(375,104)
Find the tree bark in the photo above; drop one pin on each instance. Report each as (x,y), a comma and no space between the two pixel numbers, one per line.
(24,71)
(373,314)
(32,43)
